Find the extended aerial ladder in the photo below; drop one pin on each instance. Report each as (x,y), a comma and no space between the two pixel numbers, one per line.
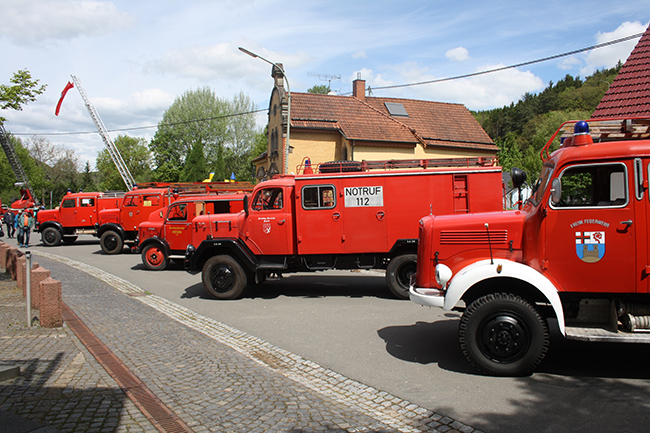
(16,166)
(112,149)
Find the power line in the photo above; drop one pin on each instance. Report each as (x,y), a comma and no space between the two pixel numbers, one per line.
(184,122)
(489,71)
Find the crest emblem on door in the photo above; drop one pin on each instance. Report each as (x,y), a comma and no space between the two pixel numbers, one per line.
(590,246)
(266,228)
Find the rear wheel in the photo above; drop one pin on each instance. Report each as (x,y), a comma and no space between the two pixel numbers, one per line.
(398,274)
(503,335)
(223,277)
(111,242)
(154,258)
(51,237)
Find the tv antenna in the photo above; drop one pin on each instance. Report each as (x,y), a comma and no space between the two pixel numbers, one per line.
(326,77)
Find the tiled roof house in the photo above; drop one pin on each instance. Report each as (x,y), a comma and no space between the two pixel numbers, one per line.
(358,127)
(629,94)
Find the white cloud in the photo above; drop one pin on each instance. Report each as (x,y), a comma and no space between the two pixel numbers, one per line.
(33,21)
(457,54)
(360,55)
(607,57)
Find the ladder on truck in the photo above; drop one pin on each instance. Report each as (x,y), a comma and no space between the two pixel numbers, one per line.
(112,149)
(14,162)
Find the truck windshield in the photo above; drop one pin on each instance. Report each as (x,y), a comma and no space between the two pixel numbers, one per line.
(541,184)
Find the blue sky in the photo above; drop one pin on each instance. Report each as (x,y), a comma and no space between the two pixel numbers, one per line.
(134,57)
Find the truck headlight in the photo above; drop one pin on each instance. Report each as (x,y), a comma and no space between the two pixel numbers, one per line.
(190,249)
(443,275)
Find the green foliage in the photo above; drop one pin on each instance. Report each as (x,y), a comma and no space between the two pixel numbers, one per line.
(521,130)
(87,182)
(24,90)
(320,89)
(136,156)
(194,170)
(225,129)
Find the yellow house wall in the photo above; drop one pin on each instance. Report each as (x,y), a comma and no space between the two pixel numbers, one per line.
(318,147)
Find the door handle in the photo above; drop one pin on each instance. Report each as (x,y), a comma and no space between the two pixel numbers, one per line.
(627,223)
(380,215)
(280,222)
(336,216)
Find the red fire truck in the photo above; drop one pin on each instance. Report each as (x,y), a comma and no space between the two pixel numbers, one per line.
(168,232)
(117,227)
(359,218)
(514,271)
(76,215)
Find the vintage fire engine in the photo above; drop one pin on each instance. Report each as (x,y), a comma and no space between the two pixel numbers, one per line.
(577,253)
(344,216)
(117,227)
(168,232)
(76,215)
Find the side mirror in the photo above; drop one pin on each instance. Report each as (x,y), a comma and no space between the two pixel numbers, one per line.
(246,204)
(556,191)
(518,177)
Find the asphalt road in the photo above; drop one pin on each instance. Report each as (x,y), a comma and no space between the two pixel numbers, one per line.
(348,321)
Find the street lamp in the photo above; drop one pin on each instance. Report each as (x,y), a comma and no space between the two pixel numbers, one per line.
(286,150)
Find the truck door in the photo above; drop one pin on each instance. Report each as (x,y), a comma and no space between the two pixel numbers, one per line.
(590,243)
(270,224)
(319,225)
(177,225)
(87,214)
(68,212)
(365,216)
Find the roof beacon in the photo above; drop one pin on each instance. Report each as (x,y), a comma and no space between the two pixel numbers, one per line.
(581,134)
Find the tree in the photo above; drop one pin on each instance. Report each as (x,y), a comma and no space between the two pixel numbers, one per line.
(59,167)
(194,170)
(320,89)
(136,156)
(87,181)
(24,90)
(225,128)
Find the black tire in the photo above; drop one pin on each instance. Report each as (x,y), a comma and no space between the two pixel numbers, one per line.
(503,335)
(69,240)
(223,277)
(51,237)
(398,274)
(111,242)
(154,258)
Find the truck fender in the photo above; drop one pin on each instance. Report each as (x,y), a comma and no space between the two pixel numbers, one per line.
(162,244)
(483,270)
(111,226)
(234,247)
(57,225)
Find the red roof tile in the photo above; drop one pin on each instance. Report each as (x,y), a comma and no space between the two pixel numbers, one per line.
(629,94)
(368,120)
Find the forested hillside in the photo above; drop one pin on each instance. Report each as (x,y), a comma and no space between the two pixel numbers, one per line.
(522,129)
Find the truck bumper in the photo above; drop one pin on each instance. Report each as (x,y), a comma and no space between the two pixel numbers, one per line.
(427,297)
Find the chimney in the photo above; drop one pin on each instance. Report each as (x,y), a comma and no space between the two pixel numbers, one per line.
(359,88)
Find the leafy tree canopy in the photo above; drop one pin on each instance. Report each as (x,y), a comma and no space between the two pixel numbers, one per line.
(23,90)
(136,156)
(319,88)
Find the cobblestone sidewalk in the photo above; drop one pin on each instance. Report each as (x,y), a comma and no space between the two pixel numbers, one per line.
(214,377)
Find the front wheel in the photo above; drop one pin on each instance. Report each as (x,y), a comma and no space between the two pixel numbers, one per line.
(223,277)
(111,242)
(398,274)
(154,258)
(51,237)
(503,335)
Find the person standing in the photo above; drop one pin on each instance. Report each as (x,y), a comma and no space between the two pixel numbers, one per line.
(19,228)
(27,221)
(9,222)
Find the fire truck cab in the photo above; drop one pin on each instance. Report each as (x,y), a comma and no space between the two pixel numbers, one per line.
(340,217)
(76,215)
(578,252)
(167,233)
